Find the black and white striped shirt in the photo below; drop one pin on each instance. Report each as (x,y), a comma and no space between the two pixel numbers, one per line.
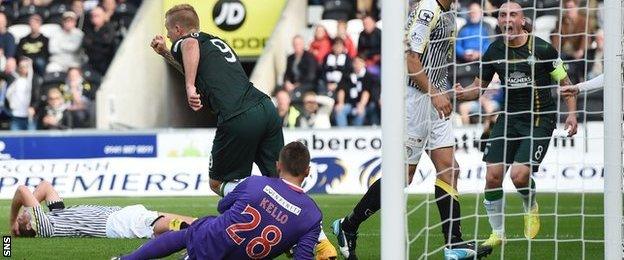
(75,221)
(431,31)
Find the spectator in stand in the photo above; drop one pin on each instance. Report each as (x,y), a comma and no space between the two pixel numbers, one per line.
(7,43)
(90,4)
(369,44)
(365,7)
(29,8)
(78,95)
(65,45)
(316,111)
(42,3)
(3,60)
(473,38)
(336,65)
(55,114)
(99,43)
(342,33)
(289,114)
(19,96)
(35,45)
(596,56)
(373,108)
(77,6)
(321,45)
(109,7)
(570,39)
(300,75)
(353,96)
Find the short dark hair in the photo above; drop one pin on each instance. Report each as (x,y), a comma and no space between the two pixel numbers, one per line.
(295,158)
(27,232)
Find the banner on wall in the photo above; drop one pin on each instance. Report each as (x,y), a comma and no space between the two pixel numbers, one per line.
(245,25)
(344,161)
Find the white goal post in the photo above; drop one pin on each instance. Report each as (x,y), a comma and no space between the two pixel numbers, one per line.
(613,51)
(393,76)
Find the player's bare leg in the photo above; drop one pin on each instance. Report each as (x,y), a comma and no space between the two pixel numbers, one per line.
(215,186)
(521,178)
(45,191)
(494,202)
(170,221)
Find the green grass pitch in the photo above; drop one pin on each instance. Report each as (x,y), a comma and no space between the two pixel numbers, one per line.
(579,235)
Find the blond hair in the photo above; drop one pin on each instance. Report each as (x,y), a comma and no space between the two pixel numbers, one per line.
(183,15)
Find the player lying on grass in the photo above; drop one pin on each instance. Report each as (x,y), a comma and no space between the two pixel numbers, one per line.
(261,218)
(84,220)
(528,68)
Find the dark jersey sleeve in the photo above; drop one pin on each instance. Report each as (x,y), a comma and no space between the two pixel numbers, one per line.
(487,67)
(548,52)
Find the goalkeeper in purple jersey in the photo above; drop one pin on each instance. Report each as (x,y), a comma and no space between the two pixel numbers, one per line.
(260,219)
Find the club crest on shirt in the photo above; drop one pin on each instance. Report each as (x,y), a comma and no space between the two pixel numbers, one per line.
(425,17)
(531,60)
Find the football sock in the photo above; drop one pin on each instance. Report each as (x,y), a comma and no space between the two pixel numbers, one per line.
(228,186)
(528,195)
(177,224)
(494,206)
(447,199)
(366,207)
(161,246)
(322,235)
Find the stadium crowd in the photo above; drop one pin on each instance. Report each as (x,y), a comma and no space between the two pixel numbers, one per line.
(53,55)
(334,79)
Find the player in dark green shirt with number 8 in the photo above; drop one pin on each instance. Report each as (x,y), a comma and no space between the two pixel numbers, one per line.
(248,127)
(528,68)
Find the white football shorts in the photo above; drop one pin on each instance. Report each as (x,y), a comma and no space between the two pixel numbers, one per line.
(131,222)
(425,129)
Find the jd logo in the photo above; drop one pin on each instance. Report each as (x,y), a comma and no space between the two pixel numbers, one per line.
(229,15)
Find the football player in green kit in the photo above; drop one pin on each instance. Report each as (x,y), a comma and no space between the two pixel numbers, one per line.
(248,127)
(528,68)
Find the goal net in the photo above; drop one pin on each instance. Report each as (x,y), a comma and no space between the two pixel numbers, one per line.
(578,179)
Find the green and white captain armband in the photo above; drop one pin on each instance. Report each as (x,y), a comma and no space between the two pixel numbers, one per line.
(559,72)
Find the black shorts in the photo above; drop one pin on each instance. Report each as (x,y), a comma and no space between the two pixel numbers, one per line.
(253,136)
(523,141)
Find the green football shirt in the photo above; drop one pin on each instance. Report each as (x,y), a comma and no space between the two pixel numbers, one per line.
(221,80)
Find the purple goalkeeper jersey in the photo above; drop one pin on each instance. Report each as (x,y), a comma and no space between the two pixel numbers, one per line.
(261,218)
